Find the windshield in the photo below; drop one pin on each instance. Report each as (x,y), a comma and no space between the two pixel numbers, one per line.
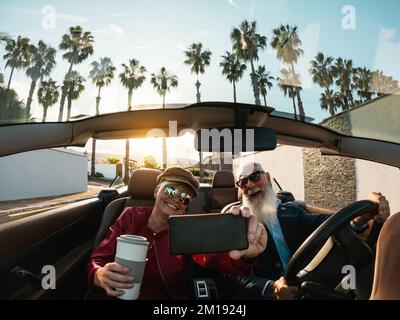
(307,60)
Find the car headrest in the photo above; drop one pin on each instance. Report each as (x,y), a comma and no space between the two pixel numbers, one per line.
(223,179)
(142,183)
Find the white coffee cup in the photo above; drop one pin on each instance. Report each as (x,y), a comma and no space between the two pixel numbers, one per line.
(131,252)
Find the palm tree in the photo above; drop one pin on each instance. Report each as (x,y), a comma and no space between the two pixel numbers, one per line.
(17,56)
(323,73)
(47,95)
(382,84)
(233,69)
(362,81)
(5,37)
(329,101)
(15,112)
(343,71)
(322,70)
(286,42)
(289,82)
(42,62)
(102,73)
(132,77)
(73,86)
(247,43)
(197,59)
(264,79)
(162,82)
(79,45)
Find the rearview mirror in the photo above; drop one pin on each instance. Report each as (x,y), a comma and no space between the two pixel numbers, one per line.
(235,140)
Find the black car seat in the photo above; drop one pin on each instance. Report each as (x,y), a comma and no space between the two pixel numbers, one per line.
(223,190)
(140,194)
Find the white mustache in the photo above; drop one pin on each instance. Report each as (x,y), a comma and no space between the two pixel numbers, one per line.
(253,191)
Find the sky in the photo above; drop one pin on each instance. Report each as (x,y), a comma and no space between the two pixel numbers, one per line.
(157,31)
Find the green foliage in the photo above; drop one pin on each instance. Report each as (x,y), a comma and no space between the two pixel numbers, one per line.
(12,110)
(98,175)
(163,81)
(196,172)
(102,72)
(112,160)
(151,162)
(78,44)
(197,58)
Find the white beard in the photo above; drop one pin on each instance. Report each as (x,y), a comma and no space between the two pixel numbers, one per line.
(264,207)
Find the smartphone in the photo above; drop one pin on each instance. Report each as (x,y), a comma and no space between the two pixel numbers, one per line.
(206,233)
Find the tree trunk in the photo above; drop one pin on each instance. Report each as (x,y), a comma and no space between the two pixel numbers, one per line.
(294,103)
(9,80)
(254,83)
(299,102)
(93,161)
(126,174)
(63,96)
(201,169)
(163,101)
(265,99)
(44,112)
(234,92)
(62,101)
(130,100)
(350,98)
(69,108)
(98,102)
(29,101)
(345,104)
(198,84)
(300,106)
(164,152)
(70,67)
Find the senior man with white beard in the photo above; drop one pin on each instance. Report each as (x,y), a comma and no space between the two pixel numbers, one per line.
(288,226)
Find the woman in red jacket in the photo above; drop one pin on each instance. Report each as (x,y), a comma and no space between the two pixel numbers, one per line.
(166,276)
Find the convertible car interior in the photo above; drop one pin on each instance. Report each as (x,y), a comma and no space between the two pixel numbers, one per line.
(65,236)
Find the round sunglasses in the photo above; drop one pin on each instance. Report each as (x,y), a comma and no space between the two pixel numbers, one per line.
(184,197)
(253,177)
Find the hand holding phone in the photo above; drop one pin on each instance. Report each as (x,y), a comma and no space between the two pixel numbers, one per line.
(207,233)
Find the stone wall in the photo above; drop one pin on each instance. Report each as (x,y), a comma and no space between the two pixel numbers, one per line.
(329,180)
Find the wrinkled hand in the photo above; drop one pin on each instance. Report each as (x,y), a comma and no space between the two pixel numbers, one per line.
(383,207)
(283,292)
(109,278)
(256,235)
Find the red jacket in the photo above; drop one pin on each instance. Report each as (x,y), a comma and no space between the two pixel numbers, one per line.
(174,280)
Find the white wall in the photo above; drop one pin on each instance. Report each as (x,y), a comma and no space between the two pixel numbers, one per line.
(376,177)
(285,164)
(108,170)
(42,173)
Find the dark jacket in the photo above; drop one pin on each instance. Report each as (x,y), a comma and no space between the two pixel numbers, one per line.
(296,224)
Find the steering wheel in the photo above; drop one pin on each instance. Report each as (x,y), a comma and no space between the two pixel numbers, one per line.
(307,250)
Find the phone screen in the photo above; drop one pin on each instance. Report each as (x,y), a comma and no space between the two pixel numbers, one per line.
(206,233)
